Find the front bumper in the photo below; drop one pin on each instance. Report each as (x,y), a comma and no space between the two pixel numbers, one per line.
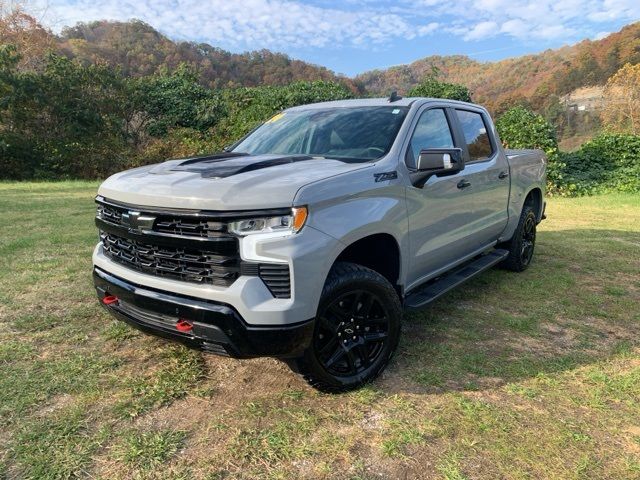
(309,255)
(216,327)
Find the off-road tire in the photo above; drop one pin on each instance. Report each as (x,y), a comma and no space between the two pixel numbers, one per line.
(522,244)
(354,298)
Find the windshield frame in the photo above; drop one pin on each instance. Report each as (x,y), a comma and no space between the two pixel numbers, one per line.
(403,110)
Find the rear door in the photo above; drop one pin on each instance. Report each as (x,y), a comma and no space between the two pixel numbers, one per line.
(487,173)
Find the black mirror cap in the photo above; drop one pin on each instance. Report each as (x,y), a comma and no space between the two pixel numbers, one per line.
(440,161)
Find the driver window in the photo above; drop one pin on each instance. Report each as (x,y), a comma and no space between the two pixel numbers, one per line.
(432,131)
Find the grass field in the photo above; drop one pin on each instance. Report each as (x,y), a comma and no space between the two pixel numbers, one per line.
(518,376)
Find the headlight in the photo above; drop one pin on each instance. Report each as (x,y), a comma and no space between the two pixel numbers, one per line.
(284,223)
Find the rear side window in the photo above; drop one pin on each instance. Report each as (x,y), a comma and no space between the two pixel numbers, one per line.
(475,134)
(432,131)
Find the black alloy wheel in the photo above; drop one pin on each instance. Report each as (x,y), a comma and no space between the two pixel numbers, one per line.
(528,240)
(356,330)
(352,332)
(523,242)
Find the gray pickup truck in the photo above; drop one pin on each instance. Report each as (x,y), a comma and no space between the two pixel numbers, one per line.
(306,239)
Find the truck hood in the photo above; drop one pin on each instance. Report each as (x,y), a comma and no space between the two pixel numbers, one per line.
(227,181)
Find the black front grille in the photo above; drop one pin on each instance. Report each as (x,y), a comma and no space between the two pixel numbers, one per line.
(190,246)
(110,214)
(193,228)
(179,263)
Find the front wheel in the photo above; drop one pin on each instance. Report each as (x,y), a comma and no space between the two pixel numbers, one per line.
(356,330)
(523,242)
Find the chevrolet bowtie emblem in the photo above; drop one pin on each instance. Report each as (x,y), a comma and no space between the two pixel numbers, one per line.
(135,221)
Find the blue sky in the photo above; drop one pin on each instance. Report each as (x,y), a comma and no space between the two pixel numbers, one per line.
(352,36)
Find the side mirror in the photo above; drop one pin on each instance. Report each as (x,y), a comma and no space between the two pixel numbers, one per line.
(440,161)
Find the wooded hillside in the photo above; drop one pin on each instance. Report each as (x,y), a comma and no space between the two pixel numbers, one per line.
(535,80)
(139,49)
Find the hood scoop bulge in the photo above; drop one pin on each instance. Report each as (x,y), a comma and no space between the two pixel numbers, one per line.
(228,164)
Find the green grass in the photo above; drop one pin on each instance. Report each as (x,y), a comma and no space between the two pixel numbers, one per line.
(148,449)
(517,376)
(180,371)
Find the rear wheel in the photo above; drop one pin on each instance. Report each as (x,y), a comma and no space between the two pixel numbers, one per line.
(356,330)
(523,242)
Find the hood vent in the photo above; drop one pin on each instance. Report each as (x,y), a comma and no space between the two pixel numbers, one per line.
(229,164)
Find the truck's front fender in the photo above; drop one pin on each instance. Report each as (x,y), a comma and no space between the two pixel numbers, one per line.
(359,207)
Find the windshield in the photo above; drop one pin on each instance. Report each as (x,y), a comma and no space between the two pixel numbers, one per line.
(349,134)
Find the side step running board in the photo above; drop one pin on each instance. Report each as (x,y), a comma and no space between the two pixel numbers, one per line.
(432,290)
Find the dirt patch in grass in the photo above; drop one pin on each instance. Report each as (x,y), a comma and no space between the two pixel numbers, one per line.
(58,402)
(236,380)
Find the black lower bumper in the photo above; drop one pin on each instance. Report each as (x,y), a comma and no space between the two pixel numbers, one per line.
(215,327)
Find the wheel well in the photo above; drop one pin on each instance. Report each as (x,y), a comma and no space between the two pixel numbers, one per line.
(379,252)
(534,200)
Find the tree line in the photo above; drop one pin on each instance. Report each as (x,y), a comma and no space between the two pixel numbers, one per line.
(68,120)
(538,80)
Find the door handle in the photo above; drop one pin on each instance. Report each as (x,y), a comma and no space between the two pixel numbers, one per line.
(503,175)
(463,184)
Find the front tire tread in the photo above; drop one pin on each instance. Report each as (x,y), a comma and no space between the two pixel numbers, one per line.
(341,274)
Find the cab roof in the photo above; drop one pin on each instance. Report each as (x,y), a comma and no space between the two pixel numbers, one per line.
(377,102)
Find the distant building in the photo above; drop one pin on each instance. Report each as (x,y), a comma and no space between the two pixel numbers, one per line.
(584,99)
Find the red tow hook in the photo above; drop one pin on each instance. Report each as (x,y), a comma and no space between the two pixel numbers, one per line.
(183,325)
(110,299)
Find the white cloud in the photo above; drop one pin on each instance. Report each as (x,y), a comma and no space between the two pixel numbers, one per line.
(601,35)
(259,23)
(428,29)
(614,10)
(532,20)
(514,27)
(287,24)
(482,30)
